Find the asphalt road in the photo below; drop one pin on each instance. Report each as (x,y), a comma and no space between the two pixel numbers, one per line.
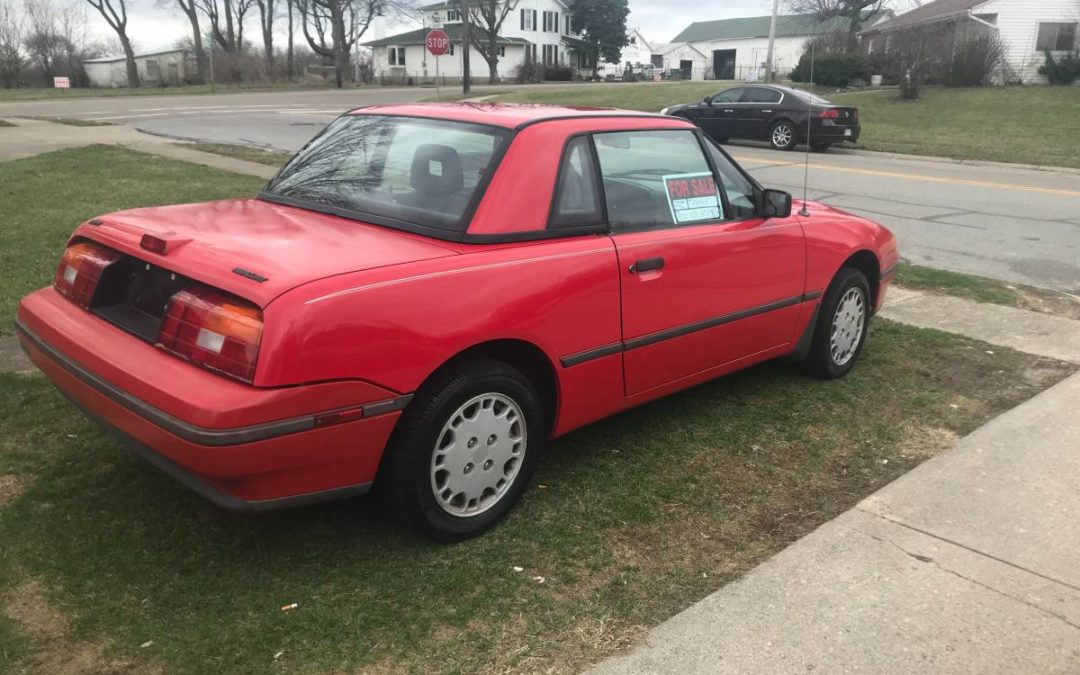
(1017,225)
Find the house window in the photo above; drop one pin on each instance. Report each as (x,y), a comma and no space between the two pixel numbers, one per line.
(568,31)
(1056,37)
(551,22)
(453,15)
(450,51)
(396,56)
(528,19)
(530,53)
(502,50)
(633,39)
(551,55)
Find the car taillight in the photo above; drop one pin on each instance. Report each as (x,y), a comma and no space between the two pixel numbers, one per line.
(214,330)
(80,269)
(830,114)
(855,114)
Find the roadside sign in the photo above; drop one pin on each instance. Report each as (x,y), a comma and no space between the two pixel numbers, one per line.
(438,42)
(61,83)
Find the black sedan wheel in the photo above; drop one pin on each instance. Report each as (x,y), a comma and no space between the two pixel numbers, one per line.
(782,135)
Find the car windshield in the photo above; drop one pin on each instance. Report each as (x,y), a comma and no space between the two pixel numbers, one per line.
(396,171)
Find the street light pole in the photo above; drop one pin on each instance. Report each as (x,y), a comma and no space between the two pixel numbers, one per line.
(770,71)
(466,48)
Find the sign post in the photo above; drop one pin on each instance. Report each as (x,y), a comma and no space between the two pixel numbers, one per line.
(438,42)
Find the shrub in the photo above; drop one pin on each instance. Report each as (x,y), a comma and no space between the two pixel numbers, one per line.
(529,72)
(558,73)
(975,57)
(1063,71)
(832,70)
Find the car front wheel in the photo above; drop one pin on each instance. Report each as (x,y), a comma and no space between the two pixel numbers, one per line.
(465,449)
(842,323)
(782,135)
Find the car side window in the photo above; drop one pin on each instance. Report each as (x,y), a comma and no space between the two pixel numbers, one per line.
(741,194)
(656,179)
(577,202)
(729,95)
(761,95)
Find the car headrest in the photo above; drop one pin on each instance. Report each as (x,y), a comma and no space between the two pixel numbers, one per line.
(436,169)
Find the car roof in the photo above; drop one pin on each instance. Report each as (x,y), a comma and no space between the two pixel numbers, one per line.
(506,115)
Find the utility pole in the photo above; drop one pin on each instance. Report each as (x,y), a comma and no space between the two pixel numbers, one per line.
(466,48)
(770,71)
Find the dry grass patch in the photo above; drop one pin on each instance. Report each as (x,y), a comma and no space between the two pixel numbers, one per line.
(11,487)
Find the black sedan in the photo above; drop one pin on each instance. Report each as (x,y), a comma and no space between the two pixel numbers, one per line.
(780,115)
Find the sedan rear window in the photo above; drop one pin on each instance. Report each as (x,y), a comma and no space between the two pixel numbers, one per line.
(396,171)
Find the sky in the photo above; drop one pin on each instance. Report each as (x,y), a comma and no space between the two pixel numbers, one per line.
(153,27)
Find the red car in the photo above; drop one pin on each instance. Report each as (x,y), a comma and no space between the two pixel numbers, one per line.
(426,294)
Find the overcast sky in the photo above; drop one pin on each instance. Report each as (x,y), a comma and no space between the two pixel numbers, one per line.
(152,27)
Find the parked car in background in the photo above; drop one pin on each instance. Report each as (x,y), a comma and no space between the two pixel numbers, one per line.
(425,294)
(782,116)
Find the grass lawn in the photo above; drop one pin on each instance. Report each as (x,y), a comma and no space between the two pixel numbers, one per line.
(1027,125)
(80,184)
(981,289)
(34,93)
(248,153)
(111,565)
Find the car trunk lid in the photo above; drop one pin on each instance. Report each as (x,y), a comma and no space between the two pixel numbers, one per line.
(252,248)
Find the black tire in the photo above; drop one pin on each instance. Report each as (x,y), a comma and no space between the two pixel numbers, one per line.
(783,135)
(824,361)
(407,477)
(820,146)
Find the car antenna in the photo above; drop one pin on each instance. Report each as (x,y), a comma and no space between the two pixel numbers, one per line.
(804,211)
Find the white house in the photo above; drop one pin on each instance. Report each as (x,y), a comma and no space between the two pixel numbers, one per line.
(170,67)
(737,49)
(536,30)
(1027,28)
(641,55)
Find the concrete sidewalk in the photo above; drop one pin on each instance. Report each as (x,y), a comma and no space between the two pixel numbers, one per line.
(30,137)
(968,564)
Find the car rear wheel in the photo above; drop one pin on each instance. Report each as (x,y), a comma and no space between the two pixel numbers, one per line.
(842,323)
(465,450)
(782,135)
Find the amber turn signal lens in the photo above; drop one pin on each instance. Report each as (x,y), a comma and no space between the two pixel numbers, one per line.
(80,269)
(214,330)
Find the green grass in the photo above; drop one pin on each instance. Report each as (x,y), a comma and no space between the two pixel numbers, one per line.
(638,517)
(35,93)
(247,153)
(45,197)
(1027,125)
(966,286)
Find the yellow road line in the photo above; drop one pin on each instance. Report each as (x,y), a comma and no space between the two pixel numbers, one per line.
(919,177)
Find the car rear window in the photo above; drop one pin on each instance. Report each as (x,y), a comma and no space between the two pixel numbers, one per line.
(396,171)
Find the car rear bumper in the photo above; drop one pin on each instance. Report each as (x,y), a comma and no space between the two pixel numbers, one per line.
(836,133)
(243,448)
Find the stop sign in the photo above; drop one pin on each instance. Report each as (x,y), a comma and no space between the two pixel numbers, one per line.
(438,42)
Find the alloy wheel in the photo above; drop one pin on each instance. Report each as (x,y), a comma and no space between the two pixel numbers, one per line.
(782,135)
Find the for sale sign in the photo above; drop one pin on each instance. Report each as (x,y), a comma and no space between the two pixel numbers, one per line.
(61,83)
(438,42)
(693,197)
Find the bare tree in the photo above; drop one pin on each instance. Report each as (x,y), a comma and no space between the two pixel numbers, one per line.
(856,12)
(12,29)
(332,27)
(115,14)
(489,16)
(266,25)
(226,18)
(191,11)
(55,40)
(290,58)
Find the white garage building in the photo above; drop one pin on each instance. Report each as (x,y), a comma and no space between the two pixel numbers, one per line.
(736,49)
(170,68)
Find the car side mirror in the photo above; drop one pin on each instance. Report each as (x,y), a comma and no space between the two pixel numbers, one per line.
(707,100)
(775,204)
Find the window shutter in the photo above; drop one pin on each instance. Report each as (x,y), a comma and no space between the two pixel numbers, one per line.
(523,18)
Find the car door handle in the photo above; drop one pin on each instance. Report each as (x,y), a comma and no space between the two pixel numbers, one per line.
(729,110)
(766,111)
(647,264)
